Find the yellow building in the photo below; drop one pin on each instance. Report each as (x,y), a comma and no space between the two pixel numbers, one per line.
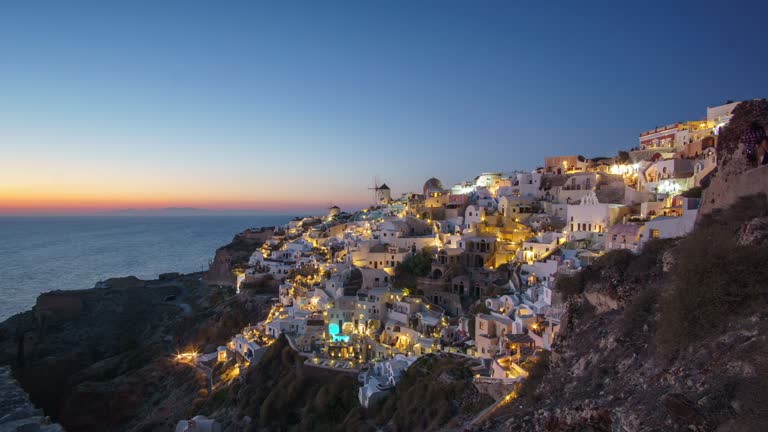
(509,235)
(504,229)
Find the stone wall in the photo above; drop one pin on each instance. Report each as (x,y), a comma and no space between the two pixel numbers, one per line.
(732,182)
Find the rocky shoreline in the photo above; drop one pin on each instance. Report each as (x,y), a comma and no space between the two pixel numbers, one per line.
(100,359)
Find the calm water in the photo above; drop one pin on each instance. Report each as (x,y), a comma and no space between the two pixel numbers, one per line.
(43,254)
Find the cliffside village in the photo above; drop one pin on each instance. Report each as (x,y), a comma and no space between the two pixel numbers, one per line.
(491,249)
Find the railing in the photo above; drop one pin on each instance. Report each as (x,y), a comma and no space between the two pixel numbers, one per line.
(659,129)
(505,381)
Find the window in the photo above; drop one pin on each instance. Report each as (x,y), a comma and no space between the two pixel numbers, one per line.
(654,233)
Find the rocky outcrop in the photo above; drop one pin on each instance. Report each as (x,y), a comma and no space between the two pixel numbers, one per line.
(58,306)
(732,183)
(16,411)
(755,232)
(90,334)
(616,369)
(139,399)
(602,302)
(235,255)
(735,176)
(97,359)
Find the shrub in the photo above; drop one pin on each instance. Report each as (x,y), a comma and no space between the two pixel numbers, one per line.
(618,259)
(280,396)
(413,267)
(430,394)
(639,312)
(713,278)
(266,284)
(418,264)
(649,261)
(537,368)
(570,285)
(694,192)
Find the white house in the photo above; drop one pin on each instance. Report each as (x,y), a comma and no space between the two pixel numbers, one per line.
(539,271)
(540,246)
(575,188)
(527,185)
(244,347)
(704,165)
(591,216)
(673,226)
(515,207)
(382,378)
(624,236)
(473,215)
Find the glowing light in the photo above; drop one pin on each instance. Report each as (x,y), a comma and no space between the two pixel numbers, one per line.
(668,187)
(333,329)
(185,356)
(624,169)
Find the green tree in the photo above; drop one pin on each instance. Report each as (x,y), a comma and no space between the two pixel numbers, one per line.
(623,156)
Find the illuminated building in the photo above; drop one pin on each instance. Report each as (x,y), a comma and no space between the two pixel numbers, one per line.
(591,216)
(564,164)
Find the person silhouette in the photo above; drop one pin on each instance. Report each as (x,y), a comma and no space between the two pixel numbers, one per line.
(754,139)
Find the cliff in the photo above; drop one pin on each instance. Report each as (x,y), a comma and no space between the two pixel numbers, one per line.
(235,255)
(17,412)
(732,183)
(735,177)
(99,359)
(671,339)
(435,394)
(281,392)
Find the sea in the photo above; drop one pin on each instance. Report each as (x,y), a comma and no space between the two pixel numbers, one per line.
(40,254)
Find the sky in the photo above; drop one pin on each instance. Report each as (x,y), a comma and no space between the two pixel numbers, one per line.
(275,106)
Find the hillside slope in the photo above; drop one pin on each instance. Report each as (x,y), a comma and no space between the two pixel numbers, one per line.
(671,339)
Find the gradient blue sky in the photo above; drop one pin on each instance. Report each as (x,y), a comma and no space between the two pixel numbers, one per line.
(299,104)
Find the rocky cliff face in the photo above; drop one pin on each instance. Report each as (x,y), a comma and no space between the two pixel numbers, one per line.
(671,339)
(735,177)
(16,411)
(281,392)
(235,255)
(99,359)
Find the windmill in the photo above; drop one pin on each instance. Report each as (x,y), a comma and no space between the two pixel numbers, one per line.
(375,190)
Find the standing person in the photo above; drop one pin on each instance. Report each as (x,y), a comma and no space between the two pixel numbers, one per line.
(753,139)
(764,146)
